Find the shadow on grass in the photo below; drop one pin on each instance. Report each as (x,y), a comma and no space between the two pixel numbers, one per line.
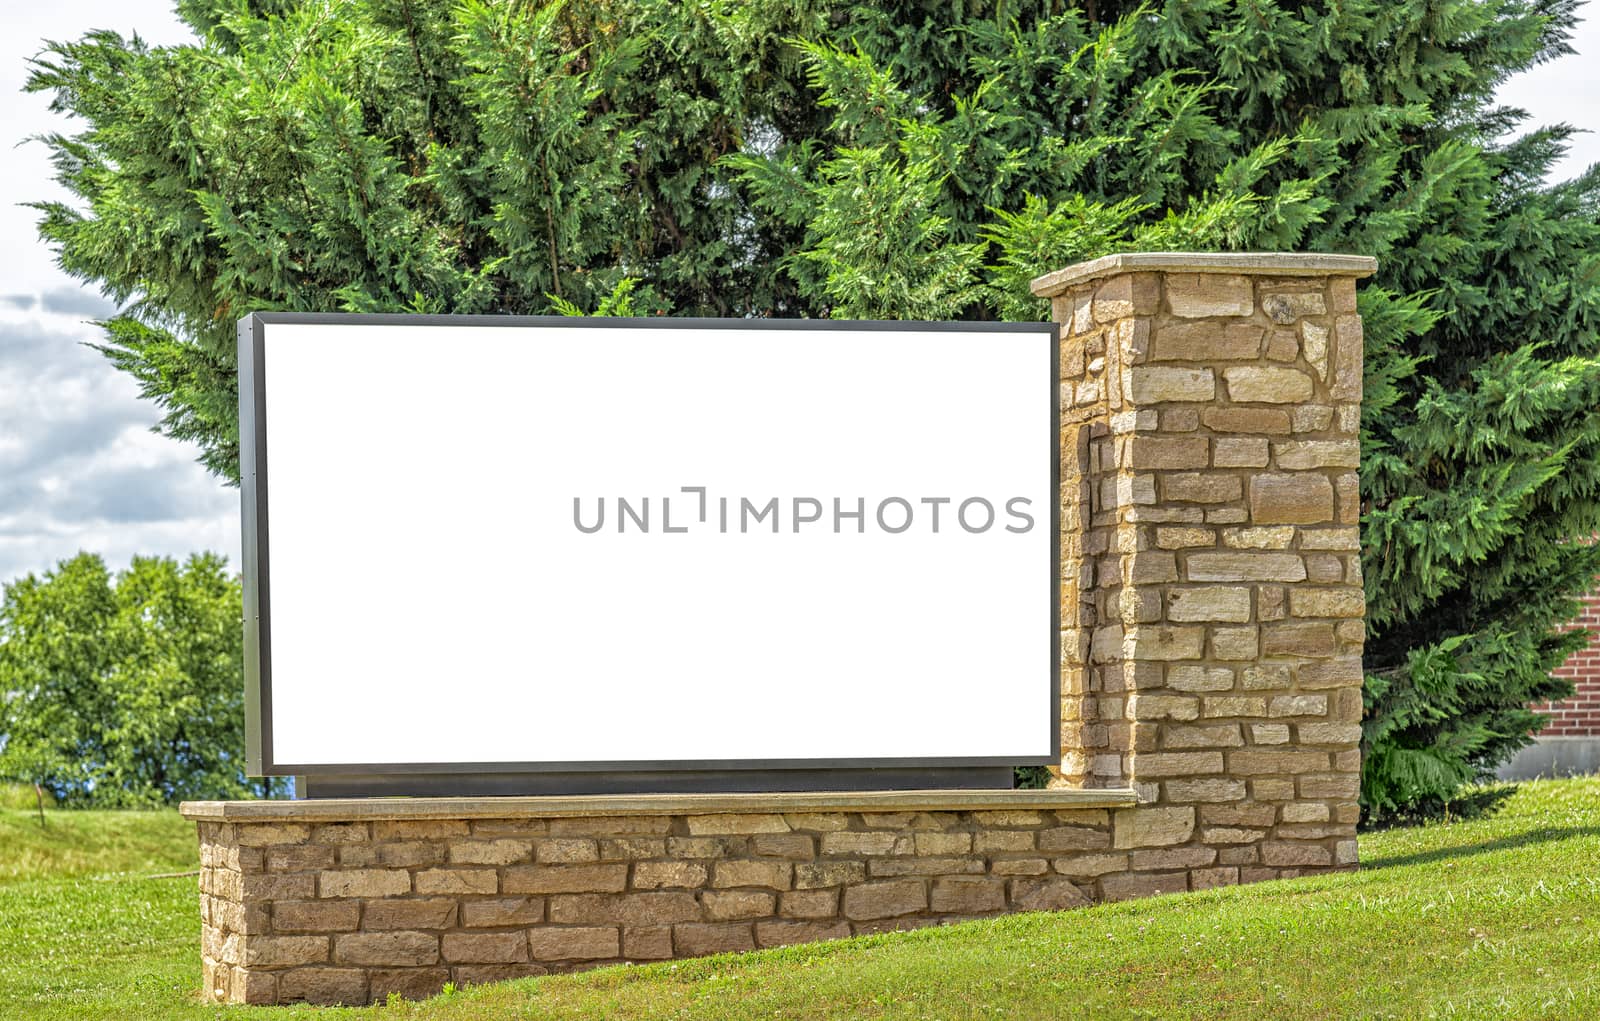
(1543,836)
(1478,804)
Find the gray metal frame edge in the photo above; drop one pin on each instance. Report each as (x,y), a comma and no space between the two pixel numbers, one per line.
(255,552)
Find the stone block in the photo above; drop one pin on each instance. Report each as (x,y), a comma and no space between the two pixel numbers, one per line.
(1298,455)
(924,866)
(387,949)
(706,847)
(777,875)
(1210,879)
(1165,643)
(323,986)
(1294,854)
(283,951)
(968,895)
(363,883)
(1171,858)
(565,851)
(1152,826)
(715,825)
(1253,384)
(632,848)
(262,834)
(1152,452)
(484,947)
(938,843)
(1201,295)
(1298,705)
(1073,838)
(867,842)
(411,983)
(1330,733)
(1285,307)
(777,934)
(657,875)
(1245,565)
(886,899)
(1234,643)
(821,822)
(1250,761)
(1297,498)
(794,846)
(990,841)
(1129,885)
(1257,421)
(1213,735)
(300,858)
(820,875)
(1087,866)
(728,905)
(1264,537)
(1176,538)
(1240,452)
(1312,639)
(1214,602)
(316,915)
(632,909)
(1206,342)
(1208,789)
(647,943)
(1148,384)
(1157,765)
(501,912)
(698,940)
(1201,487)
(419,829)
(1019,867)
(574,943)
(1348,601)
(264,887)
(459,881)
(809,904)
(491,852)
(1197,677)
(604,878)
(339,833)
(612,826)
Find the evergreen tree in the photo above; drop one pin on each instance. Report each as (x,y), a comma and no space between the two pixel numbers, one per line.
(921,159)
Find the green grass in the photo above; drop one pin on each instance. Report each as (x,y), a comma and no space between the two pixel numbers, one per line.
(1497,917)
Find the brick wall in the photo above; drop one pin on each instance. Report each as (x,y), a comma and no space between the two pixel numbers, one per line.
(1579,716)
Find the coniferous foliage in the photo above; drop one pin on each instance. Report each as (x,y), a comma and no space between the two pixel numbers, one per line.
(921,159)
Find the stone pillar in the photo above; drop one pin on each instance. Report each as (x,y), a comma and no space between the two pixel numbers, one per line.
(1211,576)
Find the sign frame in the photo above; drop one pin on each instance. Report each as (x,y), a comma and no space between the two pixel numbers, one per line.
(347,779)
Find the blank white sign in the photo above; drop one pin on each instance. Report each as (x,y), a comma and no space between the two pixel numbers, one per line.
(432,599)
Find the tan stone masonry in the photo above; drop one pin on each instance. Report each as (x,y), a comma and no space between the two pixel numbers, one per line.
(1211,576)
(1211,698)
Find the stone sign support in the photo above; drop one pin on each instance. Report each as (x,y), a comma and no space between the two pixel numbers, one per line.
(1211,704)
(1211,575)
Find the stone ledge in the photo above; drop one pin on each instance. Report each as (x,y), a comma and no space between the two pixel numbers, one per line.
(1253,263)
(597,805)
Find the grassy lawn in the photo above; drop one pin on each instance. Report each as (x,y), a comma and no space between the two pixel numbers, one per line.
(1497,917)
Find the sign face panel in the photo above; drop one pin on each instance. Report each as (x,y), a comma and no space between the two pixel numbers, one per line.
(503,544)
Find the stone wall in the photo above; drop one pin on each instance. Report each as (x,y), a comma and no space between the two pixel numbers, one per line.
(323,903)
(1212,610)
(1211,575)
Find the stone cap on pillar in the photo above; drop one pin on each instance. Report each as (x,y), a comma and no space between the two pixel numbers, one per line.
(1252,263)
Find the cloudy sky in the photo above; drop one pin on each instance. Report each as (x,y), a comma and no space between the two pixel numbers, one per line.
(79,466)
